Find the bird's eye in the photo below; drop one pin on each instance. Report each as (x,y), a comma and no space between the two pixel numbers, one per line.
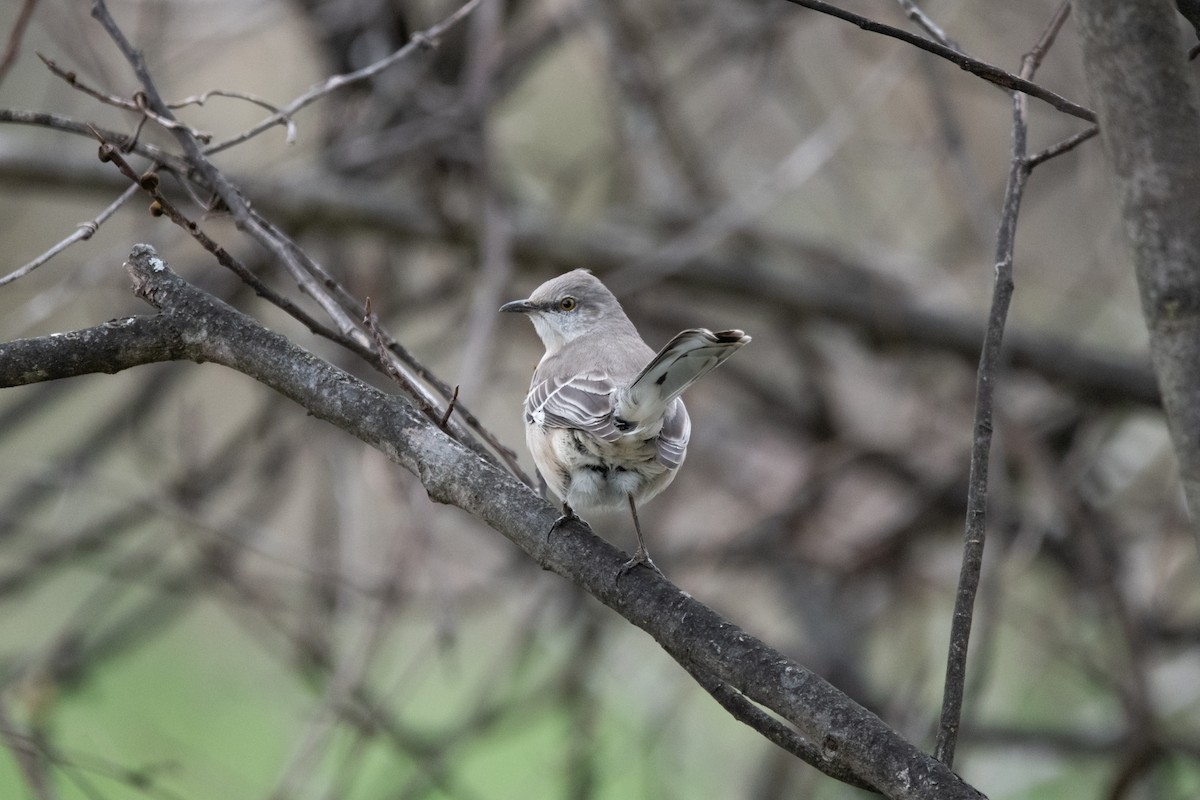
(567,304)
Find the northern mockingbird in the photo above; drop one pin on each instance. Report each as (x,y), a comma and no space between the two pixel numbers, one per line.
(603,418)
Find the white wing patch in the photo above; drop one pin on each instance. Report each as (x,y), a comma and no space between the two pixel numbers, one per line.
(582,402)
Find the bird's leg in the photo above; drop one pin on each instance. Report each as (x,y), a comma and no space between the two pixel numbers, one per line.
(641,555)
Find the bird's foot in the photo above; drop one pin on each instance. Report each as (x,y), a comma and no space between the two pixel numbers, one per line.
(641,556)
(568,516)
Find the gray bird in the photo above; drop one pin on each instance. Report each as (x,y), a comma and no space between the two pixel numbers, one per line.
(603,417)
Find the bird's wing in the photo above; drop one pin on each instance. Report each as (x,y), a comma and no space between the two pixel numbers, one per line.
(582,402)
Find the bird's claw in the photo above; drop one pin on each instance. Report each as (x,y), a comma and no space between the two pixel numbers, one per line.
(640,557)
(568,516)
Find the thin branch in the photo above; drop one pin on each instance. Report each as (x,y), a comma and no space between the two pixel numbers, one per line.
(450,406)
(201,99)
(371,323)
(420,40)
(13,48)
(162,206)
(84,232)
(1066,145)
(60,123)
(985,388)
(919,17)
(976,524)
(137,103)
(982,69)
(1033,59)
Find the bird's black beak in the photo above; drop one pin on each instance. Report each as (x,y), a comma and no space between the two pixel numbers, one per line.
(520,306)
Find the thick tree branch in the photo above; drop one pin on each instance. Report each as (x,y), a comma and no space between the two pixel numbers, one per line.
(1149,119)
(108,348)
(194,325)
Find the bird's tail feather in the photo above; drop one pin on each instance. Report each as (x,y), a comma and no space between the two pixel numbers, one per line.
(687,358)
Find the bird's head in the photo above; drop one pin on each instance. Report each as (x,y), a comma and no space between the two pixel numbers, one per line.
(569,306)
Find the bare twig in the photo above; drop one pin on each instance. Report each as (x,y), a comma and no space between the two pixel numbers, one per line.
(162,206)
(1066,145)
(13,48)
(201,99)
(85,231)
(980,451)
(914,13)
(985,388)
(449,409)
(60,123)
(982,69)
(418,41)
(136,104)
(1033,59)
(371,323)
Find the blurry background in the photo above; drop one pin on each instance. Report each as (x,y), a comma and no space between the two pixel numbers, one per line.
(206,594)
